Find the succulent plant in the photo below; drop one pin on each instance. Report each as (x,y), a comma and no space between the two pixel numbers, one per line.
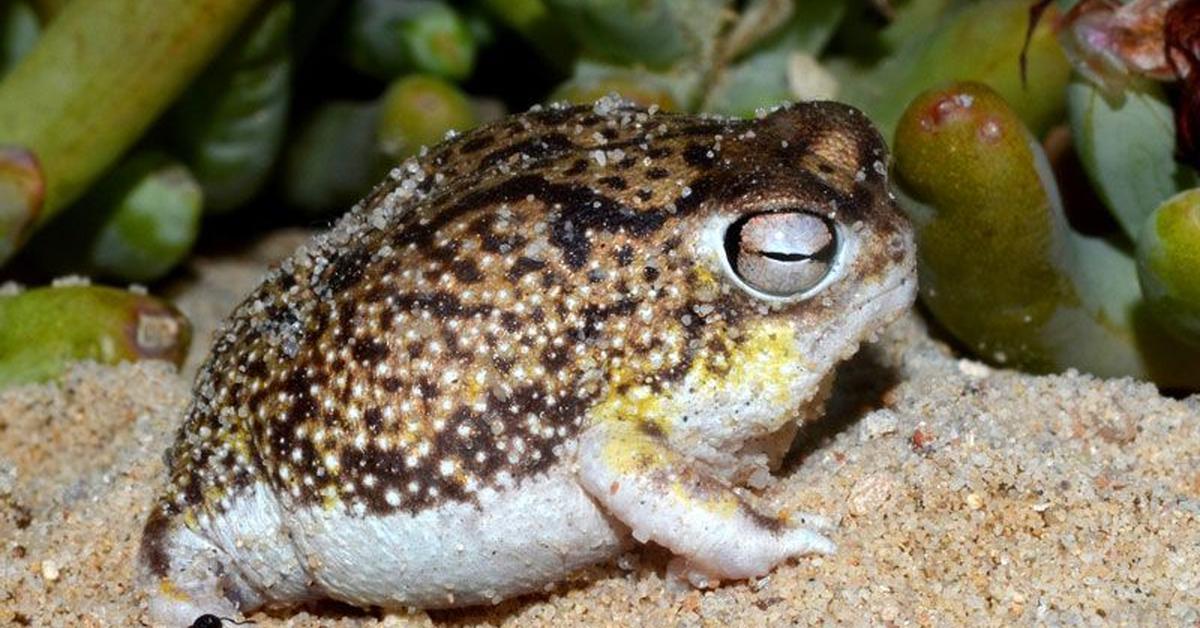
(979,41)
(81,70)
(1125,142)
(45,329)
(19,30)
(390,38)
(1002,268)
(345,147)
(229,126)
(1005,268)
(137,224)
(418,110)
(1000,265)
(1168,252)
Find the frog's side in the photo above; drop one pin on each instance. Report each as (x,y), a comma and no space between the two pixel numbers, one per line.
(524,346)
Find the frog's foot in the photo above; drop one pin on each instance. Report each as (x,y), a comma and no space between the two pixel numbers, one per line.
(663,497)
(184,576)
(226,565)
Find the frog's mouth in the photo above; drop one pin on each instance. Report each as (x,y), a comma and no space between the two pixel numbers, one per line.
(862,319)
(762,448)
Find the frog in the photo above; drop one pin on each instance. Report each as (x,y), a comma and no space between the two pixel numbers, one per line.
(531,349)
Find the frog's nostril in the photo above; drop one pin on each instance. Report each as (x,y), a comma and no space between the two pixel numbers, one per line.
(781,253)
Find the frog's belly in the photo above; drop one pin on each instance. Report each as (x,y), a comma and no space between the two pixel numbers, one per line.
(512,541)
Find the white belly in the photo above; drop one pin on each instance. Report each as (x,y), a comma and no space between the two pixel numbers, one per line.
(510,542)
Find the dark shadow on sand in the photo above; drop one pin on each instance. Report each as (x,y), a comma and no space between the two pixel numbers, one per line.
(860,387)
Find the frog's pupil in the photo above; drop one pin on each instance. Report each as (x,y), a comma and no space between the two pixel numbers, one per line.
(785,257)
(824,255)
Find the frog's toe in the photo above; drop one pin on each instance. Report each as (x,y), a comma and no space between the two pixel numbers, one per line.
(683,575)
(804,540)
(665,498)
(184,577)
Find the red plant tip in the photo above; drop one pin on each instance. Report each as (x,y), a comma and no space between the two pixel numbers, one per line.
(947,108)
(1181,46)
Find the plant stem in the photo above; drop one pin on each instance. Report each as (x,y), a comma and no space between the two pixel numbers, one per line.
(102,72)
(21,189)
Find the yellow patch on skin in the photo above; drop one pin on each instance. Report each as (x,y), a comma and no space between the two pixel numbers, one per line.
(635,404)
(762,361)
(168,589)
(213,494)
(626,409)
(706,279)
(724,505)
(629,451)
(329,498)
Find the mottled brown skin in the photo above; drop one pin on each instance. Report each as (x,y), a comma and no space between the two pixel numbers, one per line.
(460,322)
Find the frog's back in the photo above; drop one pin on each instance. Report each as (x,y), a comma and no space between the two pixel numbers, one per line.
(433,340)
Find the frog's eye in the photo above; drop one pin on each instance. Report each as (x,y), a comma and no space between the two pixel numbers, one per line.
(781,253)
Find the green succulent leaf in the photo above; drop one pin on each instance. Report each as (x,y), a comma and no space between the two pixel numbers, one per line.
(331,160)
(655,33)
(866,42)
(419,110)
(19,30)
(999,264)
(97,78)
(534,21)
(1169,265)
(769,78)
(783,65)
(137,224)
(229,126)
(390,38)
(981,42)
(1126,144)
(670,91)
(22,187)
(43,331)
(783,25)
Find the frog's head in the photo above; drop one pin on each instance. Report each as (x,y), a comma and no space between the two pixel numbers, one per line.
(811,231)
(812,254)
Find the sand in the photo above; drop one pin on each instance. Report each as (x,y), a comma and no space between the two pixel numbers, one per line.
(962,494)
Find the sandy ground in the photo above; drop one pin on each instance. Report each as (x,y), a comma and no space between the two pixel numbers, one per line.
(962,495)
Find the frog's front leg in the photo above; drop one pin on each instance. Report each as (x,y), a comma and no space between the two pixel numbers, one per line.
(629,467)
